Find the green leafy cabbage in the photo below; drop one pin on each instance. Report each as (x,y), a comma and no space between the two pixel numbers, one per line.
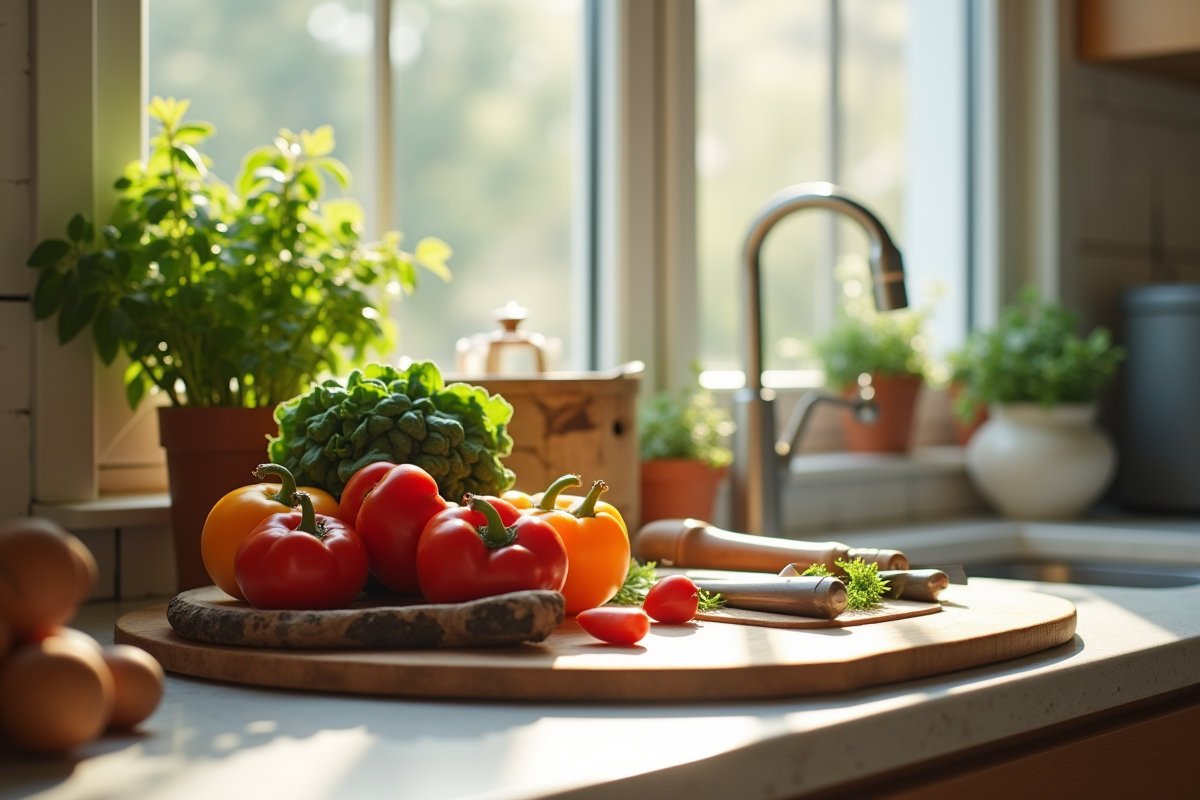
(456,433)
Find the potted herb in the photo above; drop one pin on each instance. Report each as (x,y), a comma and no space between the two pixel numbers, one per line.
(876,354)
(967,414)
(683,459)
(227,299)
(1039,454)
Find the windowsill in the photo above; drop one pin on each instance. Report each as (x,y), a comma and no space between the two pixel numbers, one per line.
(111,511)
(918,463)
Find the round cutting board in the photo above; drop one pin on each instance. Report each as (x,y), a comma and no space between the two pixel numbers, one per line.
(701,661)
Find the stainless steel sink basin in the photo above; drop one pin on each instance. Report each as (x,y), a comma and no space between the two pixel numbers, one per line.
(1142,576)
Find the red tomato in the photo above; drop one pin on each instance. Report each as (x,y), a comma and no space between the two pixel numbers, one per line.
(301,560)
(358,487)
(672,600)
(615,624)
(486,548)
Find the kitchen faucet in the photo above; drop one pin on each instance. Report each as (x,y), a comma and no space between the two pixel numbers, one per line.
(759,459)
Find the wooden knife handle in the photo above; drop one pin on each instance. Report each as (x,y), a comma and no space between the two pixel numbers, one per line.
(823,598)
(695,544)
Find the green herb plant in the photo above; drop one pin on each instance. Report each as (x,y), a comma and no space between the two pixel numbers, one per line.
(456,433)
(688,425)
(228,295)
(640,579)
(1034,355)
(864,587)
(874,343)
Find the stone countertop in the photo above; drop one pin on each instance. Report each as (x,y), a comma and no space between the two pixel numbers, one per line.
(216,740)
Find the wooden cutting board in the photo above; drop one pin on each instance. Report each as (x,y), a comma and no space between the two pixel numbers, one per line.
(701,661)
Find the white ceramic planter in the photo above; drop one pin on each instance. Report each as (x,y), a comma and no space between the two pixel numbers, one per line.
(1032,462)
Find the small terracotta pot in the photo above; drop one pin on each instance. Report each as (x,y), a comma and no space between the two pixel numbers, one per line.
(210,452)
(896,396)
(963,431)
(678,488)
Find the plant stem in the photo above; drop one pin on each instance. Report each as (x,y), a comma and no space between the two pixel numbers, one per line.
(288,486)
(308,517)
(549,500)
(494,534)
(588,507)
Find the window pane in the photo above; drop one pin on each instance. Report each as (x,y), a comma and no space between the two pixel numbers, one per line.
(487,130)
(762,110)
(253,68)
(872,102)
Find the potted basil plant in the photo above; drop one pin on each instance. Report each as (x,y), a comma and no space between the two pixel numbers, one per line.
(683,458)
(226,299)
(1039,455)
(876,355)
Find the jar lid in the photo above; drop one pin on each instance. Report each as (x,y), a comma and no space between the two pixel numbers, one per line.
(1163,298)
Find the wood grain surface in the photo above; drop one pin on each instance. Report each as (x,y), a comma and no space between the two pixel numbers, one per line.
(699,661)
(209,615)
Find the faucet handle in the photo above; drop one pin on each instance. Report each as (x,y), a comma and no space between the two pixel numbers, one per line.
(865,410)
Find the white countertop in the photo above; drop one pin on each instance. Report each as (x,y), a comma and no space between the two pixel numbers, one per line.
(210,740)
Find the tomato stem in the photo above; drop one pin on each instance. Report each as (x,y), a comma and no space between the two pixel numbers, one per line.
(549,500)
(494,534)
(588,507)
(308,516)
(286,489)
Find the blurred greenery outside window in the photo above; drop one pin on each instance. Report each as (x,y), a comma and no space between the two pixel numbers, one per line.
(485,122)
(488,145)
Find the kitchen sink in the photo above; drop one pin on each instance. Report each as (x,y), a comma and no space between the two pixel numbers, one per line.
(1095,573)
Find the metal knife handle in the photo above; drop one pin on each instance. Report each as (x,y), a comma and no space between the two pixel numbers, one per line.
(823,598)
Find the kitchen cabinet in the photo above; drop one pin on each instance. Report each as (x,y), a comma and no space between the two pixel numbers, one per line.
(1159,37)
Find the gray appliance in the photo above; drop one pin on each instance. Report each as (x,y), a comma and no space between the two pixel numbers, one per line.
(1160,453)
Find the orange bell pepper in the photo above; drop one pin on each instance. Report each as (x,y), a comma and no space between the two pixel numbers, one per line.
(241,511)
(596,540)
(566,502)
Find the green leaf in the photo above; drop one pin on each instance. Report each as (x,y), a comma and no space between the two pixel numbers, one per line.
(135,385)
(169,112)
(76,228)
(105,335)
(432,254)
(48,296)
(194,132)
(339,171)
(48,252)
(188,155)
(77,310)
(317,143)
(158,210)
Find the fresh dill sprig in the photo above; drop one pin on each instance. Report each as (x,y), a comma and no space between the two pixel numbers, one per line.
(864,587)
(817,570)
(638,581)
(709,601)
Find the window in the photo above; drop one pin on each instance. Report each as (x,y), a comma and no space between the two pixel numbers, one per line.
(485,131)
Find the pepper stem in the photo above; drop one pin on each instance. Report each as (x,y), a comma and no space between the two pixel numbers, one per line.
(286,490)
(588,507)
(549,500)
(308,516)
(494,534)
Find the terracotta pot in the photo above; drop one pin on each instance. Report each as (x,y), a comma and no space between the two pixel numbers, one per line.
(963,431)
(210,452)
(678,488)
(896,396)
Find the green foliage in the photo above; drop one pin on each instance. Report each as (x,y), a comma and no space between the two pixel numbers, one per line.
(227,296)
(688,426)
(456,433)
(1035,356)
(638,581)
(864,587)
(873,343)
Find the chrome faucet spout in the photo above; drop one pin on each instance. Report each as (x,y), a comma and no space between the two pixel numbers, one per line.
(756,473)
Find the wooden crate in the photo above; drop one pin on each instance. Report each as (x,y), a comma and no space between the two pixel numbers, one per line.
(578,422)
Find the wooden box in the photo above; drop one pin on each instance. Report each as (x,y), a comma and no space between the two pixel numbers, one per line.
(580,422)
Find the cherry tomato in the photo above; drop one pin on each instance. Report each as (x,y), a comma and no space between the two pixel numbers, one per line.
(672,600)
(615,624)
